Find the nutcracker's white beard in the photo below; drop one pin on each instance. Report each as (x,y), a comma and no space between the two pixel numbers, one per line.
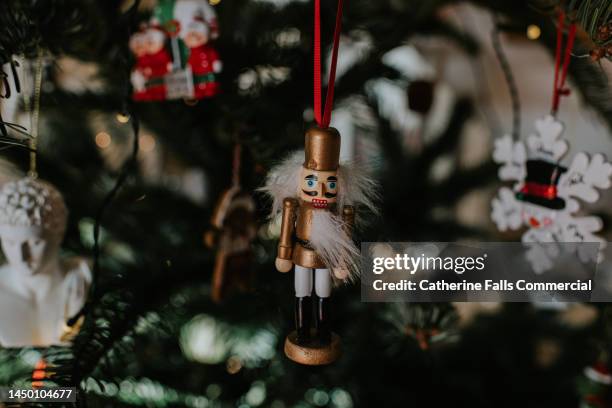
(332,244)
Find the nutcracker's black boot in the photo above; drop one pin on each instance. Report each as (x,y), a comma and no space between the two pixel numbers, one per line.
(324,321)
(303,314)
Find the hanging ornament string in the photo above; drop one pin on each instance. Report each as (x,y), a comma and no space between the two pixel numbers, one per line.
(509,77)
(561,67)
(129,165)
(236,165)
(36,115)
(323,119)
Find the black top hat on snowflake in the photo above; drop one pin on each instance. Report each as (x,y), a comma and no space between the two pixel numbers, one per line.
(541,184)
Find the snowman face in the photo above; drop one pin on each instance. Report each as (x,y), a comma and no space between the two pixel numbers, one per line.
(138,44)
(28,249)
(538,217)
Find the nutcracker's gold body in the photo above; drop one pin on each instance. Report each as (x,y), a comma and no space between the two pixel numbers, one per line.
(296,231)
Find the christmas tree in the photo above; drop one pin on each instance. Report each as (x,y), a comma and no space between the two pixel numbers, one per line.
(165,321)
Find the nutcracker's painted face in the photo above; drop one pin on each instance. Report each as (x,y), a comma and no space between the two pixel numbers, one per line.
(538,217)
(28,249)
(319,187)
(138,44)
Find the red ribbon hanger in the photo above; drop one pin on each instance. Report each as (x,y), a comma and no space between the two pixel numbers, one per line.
(559,89)
(324,119)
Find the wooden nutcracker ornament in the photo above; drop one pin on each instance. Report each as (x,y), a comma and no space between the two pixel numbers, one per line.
(315,195)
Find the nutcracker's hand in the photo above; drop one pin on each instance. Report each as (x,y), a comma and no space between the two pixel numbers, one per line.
(341,273)
(283,265)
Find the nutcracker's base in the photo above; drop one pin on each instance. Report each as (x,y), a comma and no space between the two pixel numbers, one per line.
(313,353)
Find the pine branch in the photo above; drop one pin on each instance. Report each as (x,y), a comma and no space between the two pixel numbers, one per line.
(595,17)
(589,79)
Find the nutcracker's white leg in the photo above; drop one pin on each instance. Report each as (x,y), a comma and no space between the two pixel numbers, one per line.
(323,286)
(303,305)
(303,281)
(323,283)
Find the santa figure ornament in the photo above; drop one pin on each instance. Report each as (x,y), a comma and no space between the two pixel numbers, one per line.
(203,59)
(141,69)
(39,292)
(158,64)
(174,58)
(544,197)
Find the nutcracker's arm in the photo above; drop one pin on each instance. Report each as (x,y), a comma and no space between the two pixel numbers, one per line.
(285,242)
(348,216)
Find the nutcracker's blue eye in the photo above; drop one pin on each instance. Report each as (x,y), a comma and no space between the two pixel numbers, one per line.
(332,185)
(310,181)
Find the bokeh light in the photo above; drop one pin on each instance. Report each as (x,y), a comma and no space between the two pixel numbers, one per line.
(103,140)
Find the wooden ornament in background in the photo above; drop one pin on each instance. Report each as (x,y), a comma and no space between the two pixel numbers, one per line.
(234,227)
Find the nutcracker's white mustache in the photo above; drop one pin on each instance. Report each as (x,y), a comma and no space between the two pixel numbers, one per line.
(332,244)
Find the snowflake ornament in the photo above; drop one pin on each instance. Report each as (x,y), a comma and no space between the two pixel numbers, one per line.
(544,196)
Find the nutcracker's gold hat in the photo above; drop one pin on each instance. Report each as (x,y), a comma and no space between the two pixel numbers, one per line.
(322,149)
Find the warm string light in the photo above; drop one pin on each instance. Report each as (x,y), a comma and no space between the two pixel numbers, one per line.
(122,118)
(533,32)
(236,165)
(146,142)
(233,365)
(103,140)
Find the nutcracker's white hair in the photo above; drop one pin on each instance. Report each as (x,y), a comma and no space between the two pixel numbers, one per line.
(355,187)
